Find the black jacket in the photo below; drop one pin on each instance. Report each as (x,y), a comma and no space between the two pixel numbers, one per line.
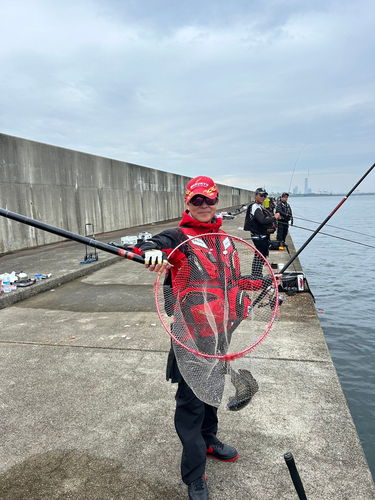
(284,209)
(261,222)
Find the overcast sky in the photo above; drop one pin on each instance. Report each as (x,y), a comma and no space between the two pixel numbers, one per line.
(250,92)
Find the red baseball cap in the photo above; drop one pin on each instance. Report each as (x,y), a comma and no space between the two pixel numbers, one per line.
(201,185)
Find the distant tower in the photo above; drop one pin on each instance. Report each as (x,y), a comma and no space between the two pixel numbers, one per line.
(306,185)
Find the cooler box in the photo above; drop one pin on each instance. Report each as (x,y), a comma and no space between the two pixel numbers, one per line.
(143,236)
(293,282)
(129,240)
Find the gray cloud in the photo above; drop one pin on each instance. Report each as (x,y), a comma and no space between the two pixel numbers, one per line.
(231,89)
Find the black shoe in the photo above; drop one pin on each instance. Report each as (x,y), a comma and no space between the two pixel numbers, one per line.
(222,452)
(198,489)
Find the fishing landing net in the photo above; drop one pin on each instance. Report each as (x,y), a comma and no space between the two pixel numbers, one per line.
(221,306)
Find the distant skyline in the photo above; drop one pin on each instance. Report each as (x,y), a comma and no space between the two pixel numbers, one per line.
(327,193)
(263,93)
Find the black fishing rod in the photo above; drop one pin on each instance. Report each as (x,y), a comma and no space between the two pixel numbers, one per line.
(334,236)
(303,147)
(331,235)
(326,220)
(120,252)
(336,227)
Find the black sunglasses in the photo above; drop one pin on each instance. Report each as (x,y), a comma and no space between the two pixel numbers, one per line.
(262,195)
(197,201)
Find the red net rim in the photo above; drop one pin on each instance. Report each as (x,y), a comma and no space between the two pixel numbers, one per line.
(223,357)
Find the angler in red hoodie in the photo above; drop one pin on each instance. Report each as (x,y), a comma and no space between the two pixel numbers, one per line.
(196,422)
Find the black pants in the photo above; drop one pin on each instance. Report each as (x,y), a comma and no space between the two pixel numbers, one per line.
(196,425)
(282,231)
(261,244)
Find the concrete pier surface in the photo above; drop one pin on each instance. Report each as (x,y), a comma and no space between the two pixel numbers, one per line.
(86,412)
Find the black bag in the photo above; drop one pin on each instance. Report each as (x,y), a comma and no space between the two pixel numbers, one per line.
(273,244)
(252,225)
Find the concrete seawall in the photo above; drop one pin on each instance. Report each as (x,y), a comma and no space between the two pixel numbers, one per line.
(70,189)
(87,414)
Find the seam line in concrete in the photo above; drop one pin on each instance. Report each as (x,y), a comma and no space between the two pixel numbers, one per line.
(294,359)
(82,346)
(147,350)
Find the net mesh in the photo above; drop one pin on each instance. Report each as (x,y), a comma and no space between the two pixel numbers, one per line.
(221,304)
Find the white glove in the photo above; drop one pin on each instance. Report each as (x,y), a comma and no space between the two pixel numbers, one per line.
(153,257)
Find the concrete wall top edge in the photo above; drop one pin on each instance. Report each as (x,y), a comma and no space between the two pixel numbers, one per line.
(70,189)
(9,140)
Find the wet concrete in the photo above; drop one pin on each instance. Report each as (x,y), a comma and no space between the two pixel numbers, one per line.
(83,297)
(79,476)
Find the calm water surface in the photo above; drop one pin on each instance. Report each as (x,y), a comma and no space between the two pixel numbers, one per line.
(341,276)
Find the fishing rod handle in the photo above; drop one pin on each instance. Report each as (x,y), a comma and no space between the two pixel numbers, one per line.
(295,476)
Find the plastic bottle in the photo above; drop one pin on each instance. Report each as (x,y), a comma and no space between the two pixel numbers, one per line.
(6,283)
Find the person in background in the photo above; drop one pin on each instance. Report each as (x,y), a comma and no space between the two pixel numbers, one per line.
(269,204)
(261,225)
(286,215)
(266,203)
(272,206)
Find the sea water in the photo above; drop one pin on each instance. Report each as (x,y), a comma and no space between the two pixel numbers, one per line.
(341,277)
